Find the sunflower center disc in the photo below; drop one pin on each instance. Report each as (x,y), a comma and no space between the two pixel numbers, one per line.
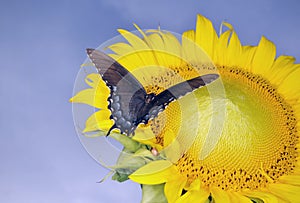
(258,140)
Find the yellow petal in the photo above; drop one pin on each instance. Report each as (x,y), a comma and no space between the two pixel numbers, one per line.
(156,42)
(222,48)
(133,39)
(134,55)
(219,195)
(92,98)
(141,48)
(263,195)
(146,136)
(230,27)
(237,197)
(205,35)
(247,56)
(194,194)
(169,136)
(195,185)
(94,80)
(143,133)
(172,48)
(95,96)
(98,121)
(172,148)
(127,56)
(161,44)
(264,57)
(155,172)
(290,179)
(286,192)
(234,51)
(172,45)
(141,31)
(173,189)
(188,38)
(281,68)
(121,48)
(290,86)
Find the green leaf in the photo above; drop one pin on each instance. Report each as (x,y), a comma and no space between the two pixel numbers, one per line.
(120,177)
(153,194)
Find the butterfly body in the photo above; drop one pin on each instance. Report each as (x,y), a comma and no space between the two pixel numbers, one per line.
(141,110)
(128,101)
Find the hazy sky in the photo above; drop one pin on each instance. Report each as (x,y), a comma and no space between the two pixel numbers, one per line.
(42,44)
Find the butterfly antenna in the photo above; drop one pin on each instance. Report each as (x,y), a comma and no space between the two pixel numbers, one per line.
(112,127)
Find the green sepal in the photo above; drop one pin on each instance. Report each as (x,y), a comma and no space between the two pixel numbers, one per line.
(153,193)
(129,144)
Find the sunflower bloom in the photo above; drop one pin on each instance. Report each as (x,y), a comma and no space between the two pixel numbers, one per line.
(234,142)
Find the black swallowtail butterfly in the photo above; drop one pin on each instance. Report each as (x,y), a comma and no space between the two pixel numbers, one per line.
(129,103)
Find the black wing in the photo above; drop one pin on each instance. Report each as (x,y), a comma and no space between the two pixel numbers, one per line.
(127,95)
(162,100)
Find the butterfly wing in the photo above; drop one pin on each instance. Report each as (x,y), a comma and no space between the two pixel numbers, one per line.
(163,99)
(127,95)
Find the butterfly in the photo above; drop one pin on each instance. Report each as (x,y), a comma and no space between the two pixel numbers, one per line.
(128,101)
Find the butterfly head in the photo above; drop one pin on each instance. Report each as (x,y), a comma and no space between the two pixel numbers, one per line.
(149,98)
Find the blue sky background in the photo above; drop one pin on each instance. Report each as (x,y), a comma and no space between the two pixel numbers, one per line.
(42,44)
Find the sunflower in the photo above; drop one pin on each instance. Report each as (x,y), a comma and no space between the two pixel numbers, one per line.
(235,140)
